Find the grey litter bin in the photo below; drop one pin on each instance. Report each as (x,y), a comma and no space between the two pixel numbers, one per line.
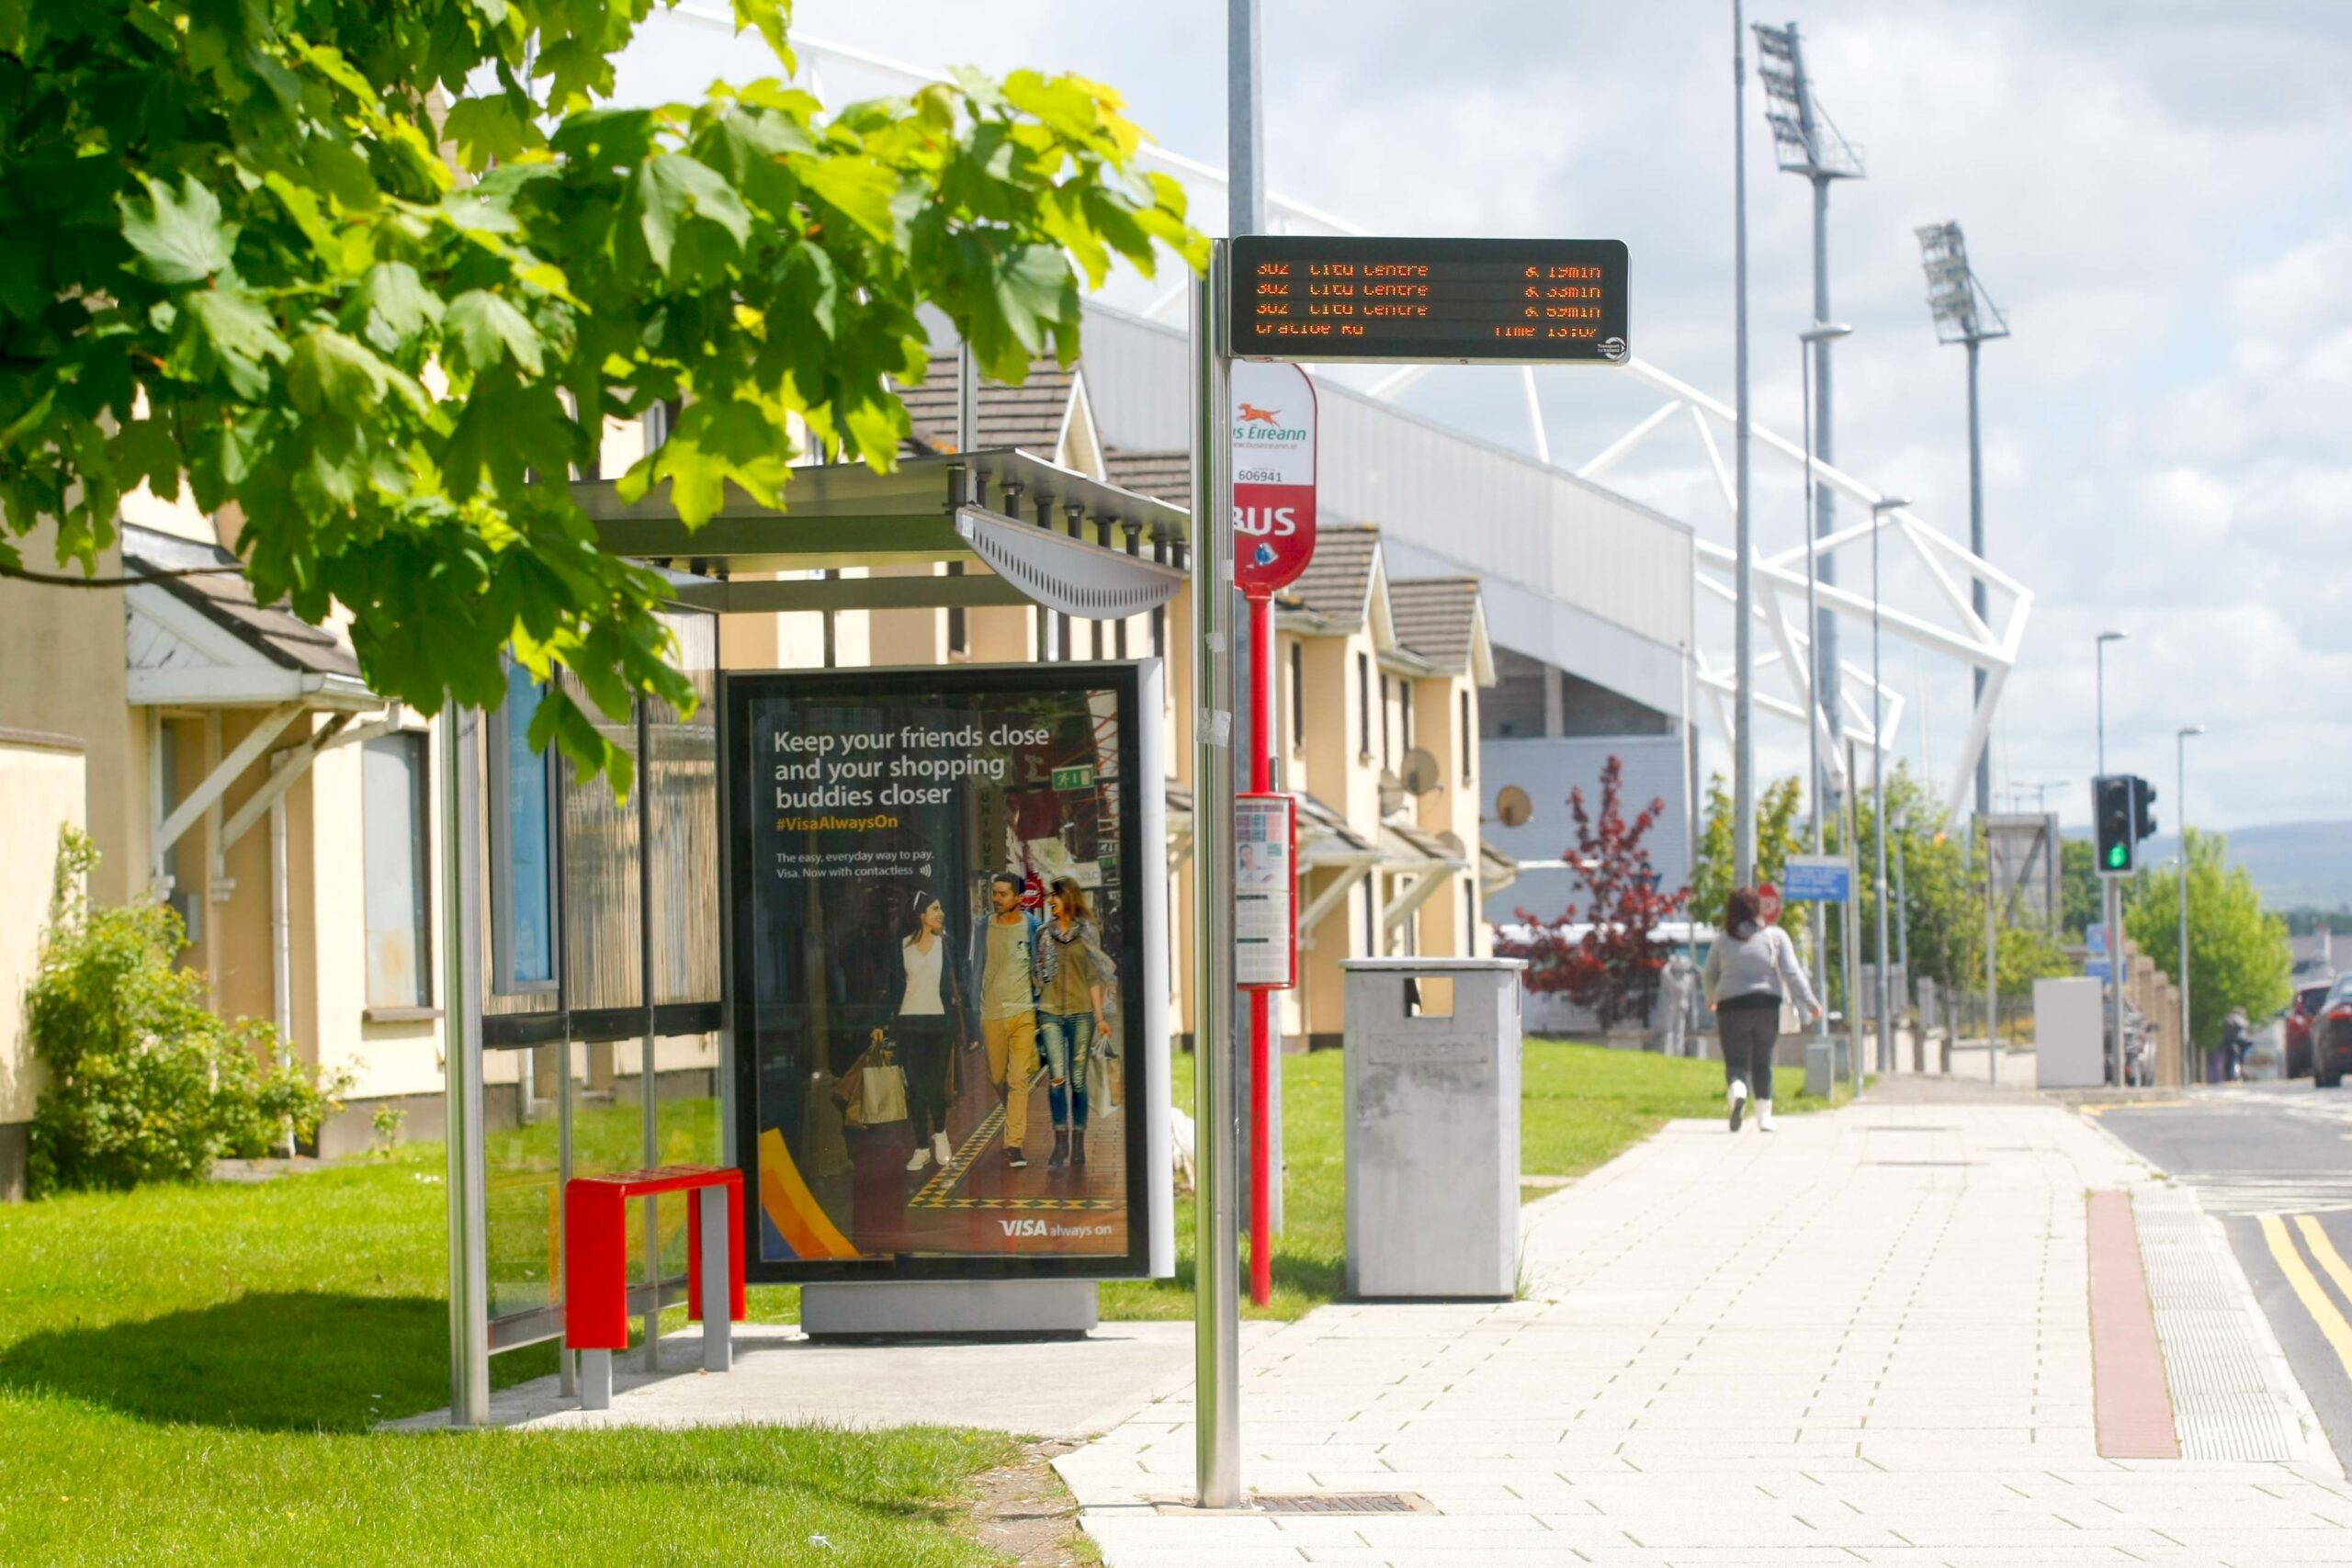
(1432,1075)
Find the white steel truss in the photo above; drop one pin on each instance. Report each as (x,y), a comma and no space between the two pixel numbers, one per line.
(1954,630)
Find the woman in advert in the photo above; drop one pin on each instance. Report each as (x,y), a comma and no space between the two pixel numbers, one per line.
(929,1015)
(1072,970)
(1751,970)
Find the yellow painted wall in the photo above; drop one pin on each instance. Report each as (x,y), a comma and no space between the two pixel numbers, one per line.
(42,791)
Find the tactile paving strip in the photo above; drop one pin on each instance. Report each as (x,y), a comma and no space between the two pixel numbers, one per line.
(2227,1399)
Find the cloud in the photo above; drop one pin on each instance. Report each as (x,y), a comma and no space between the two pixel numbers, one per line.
(2152,192)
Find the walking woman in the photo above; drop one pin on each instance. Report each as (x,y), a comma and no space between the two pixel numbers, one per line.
(931,1016)
(1071,968)
(1751,970)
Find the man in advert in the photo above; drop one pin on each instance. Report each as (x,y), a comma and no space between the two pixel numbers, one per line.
(1009,1008)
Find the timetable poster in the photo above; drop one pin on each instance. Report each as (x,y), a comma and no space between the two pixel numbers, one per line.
(937,937)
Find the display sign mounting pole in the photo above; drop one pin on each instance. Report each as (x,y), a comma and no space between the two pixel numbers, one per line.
(1283,297)
(1217,1336)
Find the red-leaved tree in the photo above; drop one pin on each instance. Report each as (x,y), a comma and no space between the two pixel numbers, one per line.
(1613,969)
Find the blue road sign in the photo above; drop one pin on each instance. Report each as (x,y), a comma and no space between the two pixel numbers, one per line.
(2096,969)
(1817,879)
(2095,936)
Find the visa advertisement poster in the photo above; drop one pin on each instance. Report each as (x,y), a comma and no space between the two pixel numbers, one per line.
(941,903)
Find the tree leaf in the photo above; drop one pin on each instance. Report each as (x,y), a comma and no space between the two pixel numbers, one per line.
(391,307)
(857,187)
(487,129)
(179,238)
(225,336)
(483,329)
(670,190)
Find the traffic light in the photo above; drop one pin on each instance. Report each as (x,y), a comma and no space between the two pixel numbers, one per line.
(2115,814)
(2143,821)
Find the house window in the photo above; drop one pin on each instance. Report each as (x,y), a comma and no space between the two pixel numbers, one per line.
(1469,917)
(1371,914)
(1386,722)
(522,844)
(394,884)
(1469,741)
(1405,710)
(1297,694)
(1363,706)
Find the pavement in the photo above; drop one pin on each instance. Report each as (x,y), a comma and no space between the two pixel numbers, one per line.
(1048,1387)
(1867,1337)
(2270,1161)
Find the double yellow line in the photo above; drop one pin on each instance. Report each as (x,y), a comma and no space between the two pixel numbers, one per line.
(2306,1285)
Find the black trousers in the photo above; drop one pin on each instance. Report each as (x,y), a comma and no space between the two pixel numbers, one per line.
(923,1054)
(1749,1035)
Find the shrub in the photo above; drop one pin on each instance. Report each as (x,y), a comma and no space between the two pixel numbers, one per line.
(145,1082)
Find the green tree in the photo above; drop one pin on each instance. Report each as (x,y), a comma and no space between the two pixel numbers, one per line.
(240,260)
(2239,956)
(1776,840)
(2027,953)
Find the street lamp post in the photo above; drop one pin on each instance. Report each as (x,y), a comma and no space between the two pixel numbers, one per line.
(2103,639)
(1903,945)
(1882,992)
(1816,718)
(2180,787)
(2110,887)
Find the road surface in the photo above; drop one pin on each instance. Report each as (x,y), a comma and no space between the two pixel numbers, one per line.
(2274,1160)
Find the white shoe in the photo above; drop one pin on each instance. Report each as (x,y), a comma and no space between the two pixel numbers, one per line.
(1763,1115)
(940,1150)
(918,1159)
(1738,1097)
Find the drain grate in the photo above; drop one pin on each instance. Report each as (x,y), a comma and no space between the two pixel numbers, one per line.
(1344,1503)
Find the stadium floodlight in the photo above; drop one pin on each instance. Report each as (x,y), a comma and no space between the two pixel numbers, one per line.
(1965,313)
(1810,145)
(1808,142)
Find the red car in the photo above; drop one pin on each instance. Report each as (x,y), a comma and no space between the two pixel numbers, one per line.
(2332,1035)
(2300,1014)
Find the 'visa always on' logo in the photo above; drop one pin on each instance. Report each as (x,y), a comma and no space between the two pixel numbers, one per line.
(1023,1228)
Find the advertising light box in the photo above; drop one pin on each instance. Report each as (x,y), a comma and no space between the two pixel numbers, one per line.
(948,944)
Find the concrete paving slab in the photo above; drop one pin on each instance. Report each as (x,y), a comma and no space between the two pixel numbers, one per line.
(1062,1388)
(1806,1348)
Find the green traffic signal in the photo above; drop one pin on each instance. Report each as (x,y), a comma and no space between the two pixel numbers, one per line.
(2117,854)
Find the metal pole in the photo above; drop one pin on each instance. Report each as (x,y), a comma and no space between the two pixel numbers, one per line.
(650,1105)
(1812,717)
(1217,1335)
(2180,799)
(468,1181)
(1743,771)
(1976,593)
(1883,992)
(1253,658)
(1902,954)
(2115,977)
(2102,706)
(1992,958)
(1853,924)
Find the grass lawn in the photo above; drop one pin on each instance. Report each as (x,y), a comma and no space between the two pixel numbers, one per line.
(190,1374)
(1581,1106)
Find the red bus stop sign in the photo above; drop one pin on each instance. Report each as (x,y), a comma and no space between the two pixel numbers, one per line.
(1272,421)
(1768,903)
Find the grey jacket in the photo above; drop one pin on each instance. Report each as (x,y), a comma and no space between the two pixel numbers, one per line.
(1757,962)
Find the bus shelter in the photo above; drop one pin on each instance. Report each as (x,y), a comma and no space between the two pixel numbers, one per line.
(591,1029)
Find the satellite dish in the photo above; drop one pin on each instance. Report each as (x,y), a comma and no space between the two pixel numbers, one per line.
(1422,773)
(1512,807)
(1455,846)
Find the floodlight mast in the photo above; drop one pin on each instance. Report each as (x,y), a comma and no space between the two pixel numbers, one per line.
(1965,313)
(1808,143)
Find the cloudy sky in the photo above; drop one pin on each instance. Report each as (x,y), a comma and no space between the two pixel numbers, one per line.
(2159,194)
